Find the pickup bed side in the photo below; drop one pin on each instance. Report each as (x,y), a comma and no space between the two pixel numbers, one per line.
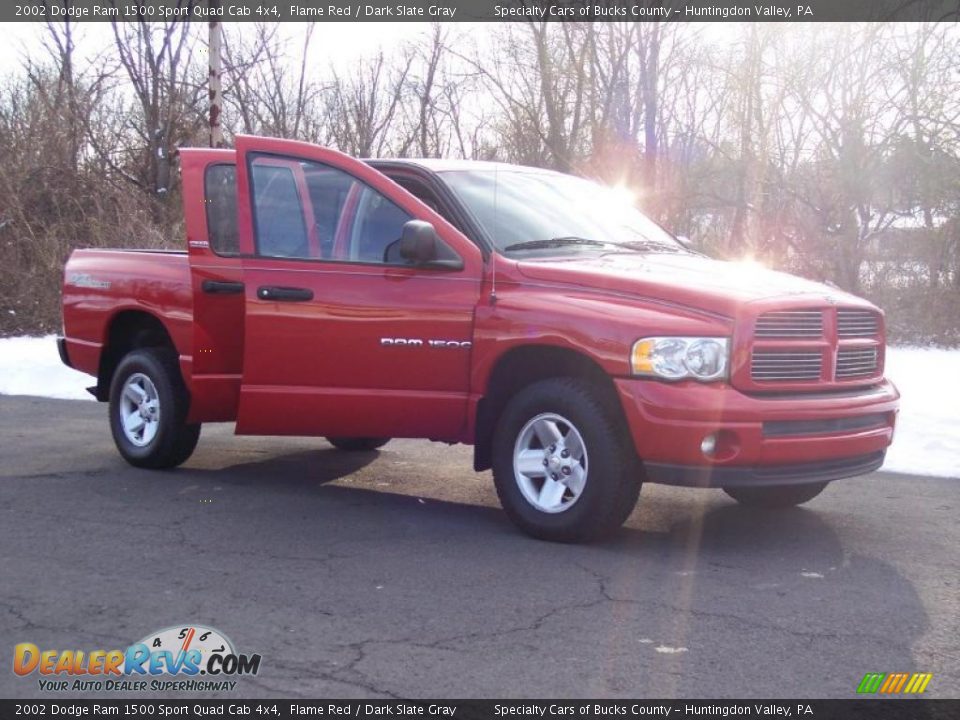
(116,300)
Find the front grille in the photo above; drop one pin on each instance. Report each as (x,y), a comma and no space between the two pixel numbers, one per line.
(857,323)
(785,365)
(790,324)
(804,347)
(856,362)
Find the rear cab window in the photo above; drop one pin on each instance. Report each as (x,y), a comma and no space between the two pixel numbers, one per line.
(220,194)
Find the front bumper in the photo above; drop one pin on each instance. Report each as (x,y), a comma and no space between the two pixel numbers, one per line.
(762,475)
(772,439)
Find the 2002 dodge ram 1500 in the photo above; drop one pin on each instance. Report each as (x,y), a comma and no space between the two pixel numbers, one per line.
(579,347)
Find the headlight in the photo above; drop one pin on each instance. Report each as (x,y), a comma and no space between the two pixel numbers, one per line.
(676,358)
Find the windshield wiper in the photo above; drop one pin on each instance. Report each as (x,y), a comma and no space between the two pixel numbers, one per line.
(651,245)
(554,243)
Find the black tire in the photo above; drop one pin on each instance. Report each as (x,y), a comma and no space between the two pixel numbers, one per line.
(174,440)
(777,496)
(357,444)
(612,472)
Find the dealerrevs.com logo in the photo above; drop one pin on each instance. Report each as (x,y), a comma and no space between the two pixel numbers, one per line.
(179,658)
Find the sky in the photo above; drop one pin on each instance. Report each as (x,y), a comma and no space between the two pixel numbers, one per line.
(338,42)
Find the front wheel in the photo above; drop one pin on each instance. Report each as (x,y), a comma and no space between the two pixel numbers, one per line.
(777,496)
(562,465)
(357,444)
(148,410)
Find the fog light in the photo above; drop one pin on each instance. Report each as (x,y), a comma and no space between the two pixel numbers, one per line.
(709,444)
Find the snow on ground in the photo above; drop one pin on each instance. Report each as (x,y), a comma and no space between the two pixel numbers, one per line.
(927,440)
(31,366)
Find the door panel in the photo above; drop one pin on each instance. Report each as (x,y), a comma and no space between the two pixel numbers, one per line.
(209,183)
(338,342)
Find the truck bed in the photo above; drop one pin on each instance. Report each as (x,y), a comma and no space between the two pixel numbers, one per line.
(99,286)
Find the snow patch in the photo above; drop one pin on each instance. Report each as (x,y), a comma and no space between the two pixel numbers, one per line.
(927,440)
(31,366)
(811,575)
(670,650)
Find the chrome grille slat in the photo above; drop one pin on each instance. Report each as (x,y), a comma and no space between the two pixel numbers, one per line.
(785,366)
(790,324)
(856,362)
(857,323)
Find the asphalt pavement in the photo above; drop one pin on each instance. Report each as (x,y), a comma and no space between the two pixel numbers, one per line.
(395,573)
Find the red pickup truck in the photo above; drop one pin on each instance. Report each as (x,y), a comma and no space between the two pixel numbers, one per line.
(580,348)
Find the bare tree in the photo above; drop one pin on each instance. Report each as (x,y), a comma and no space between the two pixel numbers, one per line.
(266,92)
(157,60)
(833,151)
(363,109)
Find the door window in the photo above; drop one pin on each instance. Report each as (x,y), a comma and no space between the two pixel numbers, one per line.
(278,213)
(377,225)
(309,210)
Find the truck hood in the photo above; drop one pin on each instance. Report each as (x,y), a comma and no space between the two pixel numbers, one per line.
(690,280)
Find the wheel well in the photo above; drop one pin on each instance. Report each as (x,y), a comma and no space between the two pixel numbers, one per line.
(129,330)
(521,367)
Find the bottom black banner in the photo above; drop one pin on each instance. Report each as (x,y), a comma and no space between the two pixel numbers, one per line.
(895,709)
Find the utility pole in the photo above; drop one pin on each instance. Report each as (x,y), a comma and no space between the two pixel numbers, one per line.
(213,45)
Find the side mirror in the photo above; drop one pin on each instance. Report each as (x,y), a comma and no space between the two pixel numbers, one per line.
(418,242)
(421,246)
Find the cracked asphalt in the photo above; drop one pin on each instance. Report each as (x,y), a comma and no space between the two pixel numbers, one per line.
(395,574)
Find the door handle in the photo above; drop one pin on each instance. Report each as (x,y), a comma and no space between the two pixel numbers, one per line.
(284,294)
(221,287)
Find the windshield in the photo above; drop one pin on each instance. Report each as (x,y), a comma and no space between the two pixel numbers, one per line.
(551,213)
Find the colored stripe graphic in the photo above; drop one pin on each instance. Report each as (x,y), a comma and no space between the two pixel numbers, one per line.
(894,683)
(923,679)
(900,683)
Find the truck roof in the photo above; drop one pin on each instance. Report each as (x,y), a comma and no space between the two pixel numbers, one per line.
(440,165)
(437,165)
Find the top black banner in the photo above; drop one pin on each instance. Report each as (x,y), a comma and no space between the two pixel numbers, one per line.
(481,10)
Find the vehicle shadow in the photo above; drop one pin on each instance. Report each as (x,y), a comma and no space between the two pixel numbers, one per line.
(769,599)
(297,470)
(698,595)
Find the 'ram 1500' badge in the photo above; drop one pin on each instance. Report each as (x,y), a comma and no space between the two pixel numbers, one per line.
(417,342)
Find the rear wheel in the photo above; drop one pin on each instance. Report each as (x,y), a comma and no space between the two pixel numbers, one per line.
(356,444)
(776,496)
(563,467)
(148,410)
